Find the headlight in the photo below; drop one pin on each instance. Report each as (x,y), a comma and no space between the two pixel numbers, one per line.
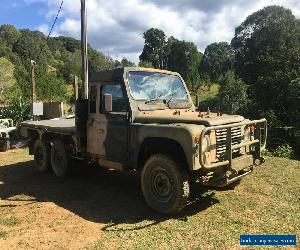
(205,144)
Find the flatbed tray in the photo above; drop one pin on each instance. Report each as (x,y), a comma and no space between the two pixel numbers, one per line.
(64,126)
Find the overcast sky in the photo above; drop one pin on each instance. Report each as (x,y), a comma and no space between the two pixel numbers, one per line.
(116,27)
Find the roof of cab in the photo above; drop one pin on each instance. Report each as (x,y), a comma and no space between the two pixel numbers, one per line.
(117,74)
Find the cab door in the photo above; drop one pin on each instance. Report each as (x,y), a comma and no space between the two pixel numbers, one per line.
(110,129)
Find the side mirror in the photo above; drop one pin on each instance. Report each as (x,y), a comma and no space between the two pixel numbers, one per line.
(107,102)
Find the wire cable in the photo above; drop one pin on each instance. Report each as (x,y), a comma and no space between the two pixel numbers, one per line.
(52,27)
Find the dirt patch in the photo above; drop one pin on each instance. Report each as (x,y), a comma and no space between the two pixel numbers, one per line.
(53,213)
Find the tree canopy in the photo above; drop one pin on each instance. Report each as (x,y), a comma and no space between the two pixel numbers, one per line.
(6,76)
(218,58)
(184,57)
(233,94)
(267,49)
(172,54)
(154,50)
(9,34)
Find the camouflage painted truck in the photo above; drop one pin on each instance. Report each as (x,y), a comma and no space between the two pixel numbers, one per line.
(144,120)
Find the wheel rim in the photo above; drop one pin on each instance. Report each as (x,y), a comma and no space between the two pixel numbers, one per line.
(40,156)
(161,185)
(58,158)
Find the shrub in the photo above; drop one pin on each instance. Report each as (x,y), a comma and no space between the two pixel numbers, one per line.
(284,151)
(232,94)
(18,110)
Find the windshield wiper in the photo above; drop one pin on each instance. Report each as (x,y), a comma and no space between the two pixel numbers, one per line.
(172,95)
(153,99)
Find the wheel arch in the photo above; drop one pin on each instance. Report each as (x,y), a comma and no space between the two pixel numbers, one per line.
(158,145)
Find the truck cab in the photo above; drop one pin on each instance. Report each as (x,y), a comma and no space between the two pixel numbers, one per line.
(144,120)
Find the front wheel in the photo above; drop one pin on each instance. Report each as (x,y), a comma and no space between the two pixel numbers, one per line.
(165,185)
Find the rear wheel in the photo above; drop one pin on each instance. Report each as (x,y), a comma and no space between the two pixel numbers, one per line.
(4,144)
(42,154)
(166,186)
(59,159)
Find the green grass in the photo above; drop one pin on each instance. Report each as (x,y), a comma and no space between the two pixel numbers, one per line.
(265,202)
(9,221)
(3,234)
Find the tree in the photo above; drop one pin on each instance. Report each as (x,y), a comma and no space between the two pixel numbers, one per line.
(98,61)
(267,48)
(184,58)
(218,59)
(51,88)
(126,63)
(72,65)
(154,48)
(145,64)
(32,45)
(233,94)
(9,34)
(6,76)
(294,100)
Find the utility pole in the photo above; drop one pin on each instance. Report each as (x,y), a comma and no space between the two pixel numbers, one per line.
(84,50)
(33,94)
(75,87)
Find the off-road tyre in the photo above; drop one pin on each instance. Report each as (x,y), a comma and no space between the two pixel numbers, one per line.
(42,155)
(4,144)
(165,184)
(60,159)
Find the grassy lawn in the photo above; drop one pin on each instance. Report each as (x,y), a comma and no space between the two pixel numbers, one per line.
(266,202)
(108,211)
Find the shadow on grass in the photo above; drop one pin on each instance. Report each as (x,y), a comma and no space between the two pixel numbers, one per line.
(97,195)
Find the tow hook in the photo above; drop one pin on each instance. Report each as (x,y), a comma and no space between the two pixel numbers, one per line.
(259,161)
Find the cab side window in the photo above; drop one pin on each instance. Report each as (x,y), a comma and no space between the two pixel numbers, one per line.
(93,98)
(118,99)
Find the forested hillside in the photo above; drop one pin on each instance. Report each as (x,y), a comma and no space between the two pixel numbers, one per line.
(58,61)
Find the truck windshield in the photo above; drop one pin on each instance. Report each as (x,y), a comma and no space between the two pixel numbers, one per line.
(151,86)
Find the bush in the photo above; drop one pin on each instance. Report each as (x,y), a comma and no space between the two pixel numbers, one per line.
(18,110)
(283,151)
(233,94)
(51,88)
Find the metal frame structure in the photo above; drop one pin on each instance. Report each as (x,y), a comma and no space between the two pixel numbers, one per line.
(260,125)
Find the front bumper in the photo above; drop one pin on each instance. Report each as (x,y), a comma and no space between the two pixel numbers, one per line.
(234,168)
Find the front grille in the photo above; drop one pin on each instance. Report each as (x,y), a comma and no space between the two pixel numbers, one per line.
(221,134)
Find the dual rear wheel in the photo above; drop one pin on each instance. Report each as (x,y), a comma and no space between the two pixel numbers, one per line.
(55,156)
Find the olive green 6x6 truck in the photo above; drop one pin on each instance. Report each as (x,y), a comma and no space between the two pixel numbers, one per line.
(141,119)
